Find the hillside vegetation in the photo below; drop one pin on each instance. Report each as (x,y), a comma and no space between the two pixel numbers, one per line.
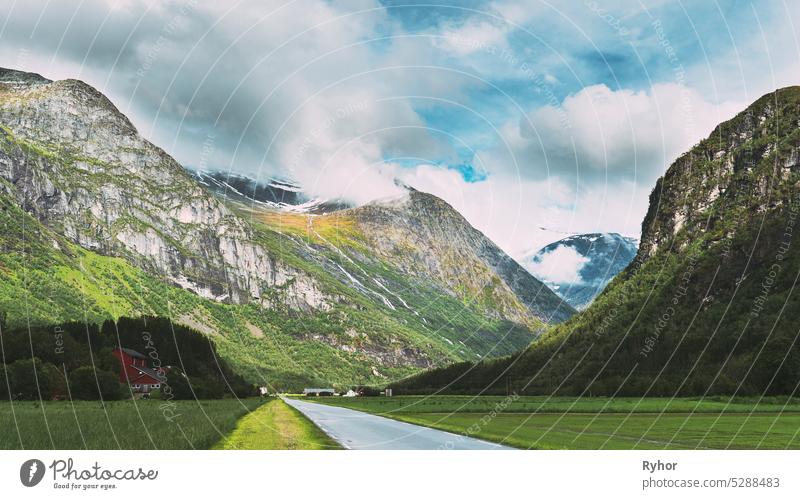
(709,304)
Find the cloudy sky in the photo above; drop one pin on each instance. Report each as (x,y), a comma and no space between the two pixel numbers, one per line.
(533,118)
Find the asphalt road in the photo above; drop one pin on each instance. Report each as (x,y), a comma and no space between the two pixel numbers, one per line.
(359,430)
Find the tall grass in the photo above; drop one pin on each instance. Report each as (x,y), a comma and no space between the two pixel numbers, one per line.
(140,424)
(599,422)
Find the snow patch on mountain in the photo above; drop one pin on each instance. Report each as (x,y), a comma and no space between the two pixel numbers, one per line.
(580,266)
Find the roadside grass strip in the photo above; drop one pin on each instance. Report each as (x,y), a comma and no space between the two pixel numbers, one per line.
(276,426)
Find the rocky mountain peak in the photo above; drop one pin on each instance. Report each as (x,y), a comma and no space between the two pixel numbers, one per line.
(742,169)
(74,161)
(428,237)
(69,116)
(18,79)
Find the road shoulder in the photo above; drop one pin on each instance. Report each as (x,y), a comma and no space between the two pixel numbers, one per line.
(276,426)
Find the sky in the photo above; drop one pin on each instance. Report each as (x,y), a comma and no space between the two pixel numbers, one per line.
(534,119)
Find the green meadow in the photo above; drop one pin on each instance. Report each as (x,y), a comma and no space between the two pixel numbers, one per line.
(599,423)
(128,424)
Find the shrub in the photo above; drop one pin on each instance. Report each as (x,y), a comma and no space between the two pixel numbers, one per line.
(3,382)
(31,379)
(85,381)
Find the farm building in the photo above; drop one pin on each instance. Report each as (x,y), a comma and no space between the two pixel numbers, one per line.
(318,392)
(135,371)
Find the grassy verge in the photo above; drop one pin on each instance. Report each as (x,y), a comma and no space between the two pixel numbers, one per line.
(276,426)
(616,431)
(140,424)
(599,423)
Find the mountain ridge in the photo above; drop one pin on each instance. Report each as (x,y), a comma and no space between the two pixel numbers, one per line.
(273,192)
(124,229)
(96,144)
(440,229)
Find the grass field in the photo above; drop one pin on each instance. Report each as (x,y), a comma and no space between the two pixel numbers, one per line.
(140,424)
(600,423)
(275,425)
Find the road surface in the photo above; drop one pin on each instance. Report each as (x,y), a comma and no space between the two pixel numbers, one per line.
(359,430)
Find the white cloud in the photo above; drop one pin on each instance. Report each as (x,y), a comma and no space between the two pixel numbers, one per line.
(348,175)
(517,12)
(521,215)
(325,95)
(474,36)
(599,133)
(261,78)
(561,265)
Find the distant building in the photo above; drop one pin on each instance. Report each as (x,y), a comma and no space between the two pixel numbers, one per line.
(350,393)
(319,392)
(136,371)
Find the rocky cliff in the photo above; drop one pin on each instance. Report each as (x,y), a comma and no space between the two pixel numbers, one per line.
(71,158)
(427,238)
(746,168)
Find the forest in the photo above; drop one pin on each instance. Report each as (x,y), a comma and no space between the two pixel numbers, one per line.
(74,360)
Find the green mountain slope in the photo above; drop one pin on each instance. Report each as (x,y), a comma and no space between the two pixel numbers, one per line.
(99,223)
(709,305)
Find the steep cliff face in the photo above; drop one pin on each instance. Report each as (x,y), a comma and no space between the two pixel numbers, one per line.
(71,158)
(427,238)
(709,304)
(744,169)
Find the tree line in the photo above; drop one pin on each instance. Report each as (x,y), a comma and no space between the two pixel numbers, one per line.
(74,360)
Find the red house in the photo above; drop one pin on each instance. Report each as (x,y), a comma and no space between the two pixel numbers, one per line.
(136,371)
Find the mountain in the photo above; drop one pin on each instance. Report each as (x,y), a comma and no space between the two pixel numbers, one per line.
(709,304)
(428,239)
(75,163)
(99,223)
(579,267)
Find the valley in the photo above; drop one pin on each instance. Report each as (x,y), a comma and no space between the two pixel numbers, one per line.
(99,224)
(102,227)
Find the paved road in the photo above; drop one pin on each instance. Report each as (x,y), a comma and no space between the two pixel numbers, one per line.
(359,430)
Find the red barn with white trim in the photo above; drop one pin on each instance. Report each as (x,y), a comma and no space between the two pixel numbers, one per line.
(136,371)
